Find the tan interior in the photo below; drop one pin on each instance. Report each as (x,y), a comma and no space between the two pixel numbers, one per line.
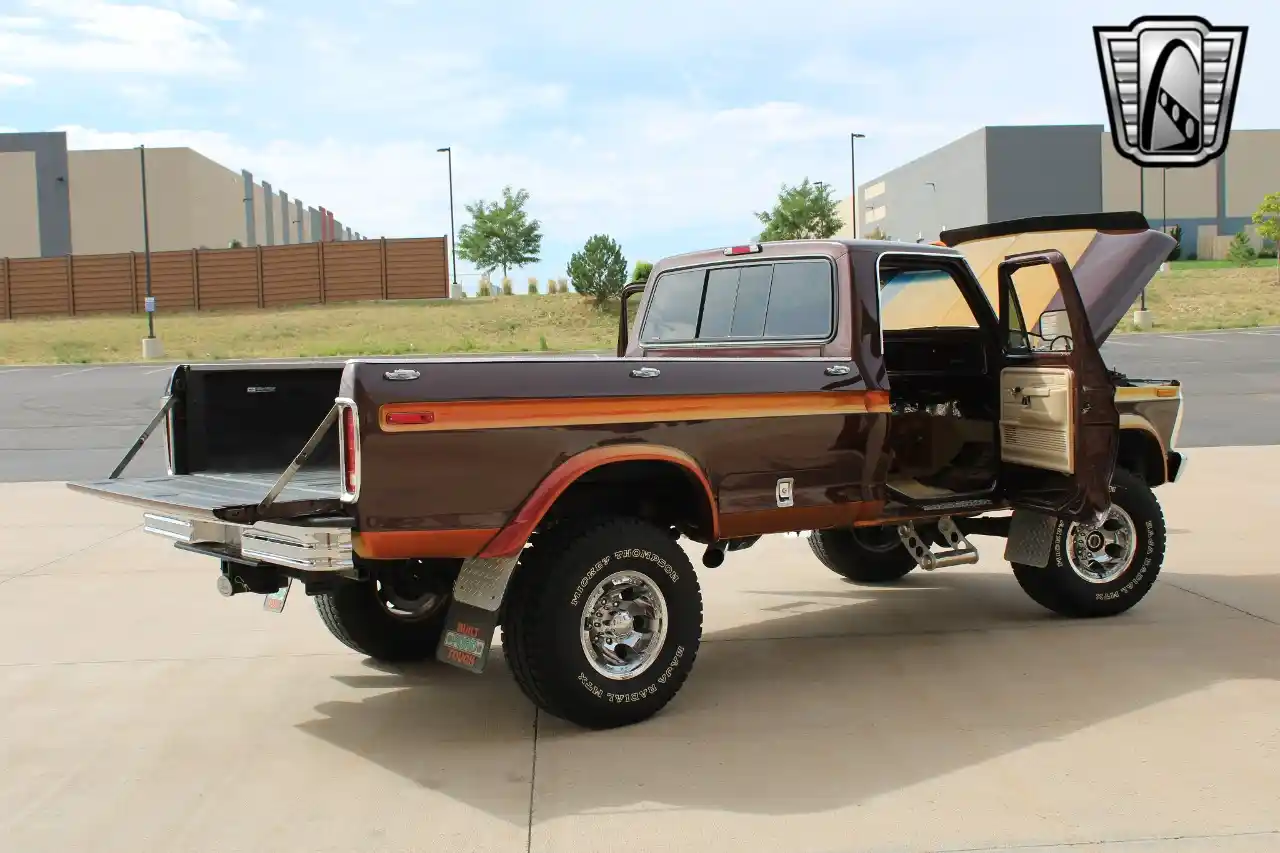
(1036,423)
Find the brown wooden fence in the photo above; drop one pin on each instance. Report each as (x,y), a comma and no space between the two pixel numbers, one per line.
(208,279)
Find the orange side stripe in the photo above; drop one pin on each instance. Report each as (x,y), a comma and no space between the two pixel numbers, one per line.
(408,544)
(589,411)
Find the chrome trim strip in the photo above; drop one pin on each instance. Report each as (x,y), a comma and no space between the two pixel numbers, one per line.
(293,546)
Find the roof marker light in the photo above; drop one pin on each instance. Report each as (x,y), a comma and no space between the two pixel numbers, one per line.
(749,249)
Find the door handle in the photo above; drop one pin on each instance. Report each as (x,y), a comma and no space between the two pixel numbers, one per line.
(837,370)
(645,373)
(1028,392)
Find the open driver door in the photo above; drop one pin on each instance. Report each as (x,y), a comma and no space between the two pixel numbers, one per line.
(1059,427)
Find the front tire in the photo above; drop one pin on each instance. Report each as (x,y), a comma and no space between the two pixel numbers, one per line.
(603,621)
(1102,570)
(873,555)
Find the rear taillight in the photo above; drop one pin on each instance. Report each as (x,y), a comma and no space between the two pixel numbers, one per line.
(350,441)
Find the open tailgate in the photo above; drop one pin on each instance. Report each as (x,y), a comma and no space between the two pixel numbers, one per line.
(235,498)
(1113,256)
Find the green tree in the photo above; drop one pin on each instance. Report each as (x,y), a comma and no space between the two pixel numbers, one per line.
(501,234)
(1267,218)
(1176,233)
(599,270)
(806,211)
(642,271)
(1241,253)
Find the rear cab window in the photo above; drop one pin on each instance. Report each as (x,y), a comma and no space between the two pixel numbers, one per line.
(782,300)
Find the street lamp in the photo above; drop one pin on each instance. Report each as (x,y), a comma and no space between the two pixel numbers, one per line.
(453,242)
(853,178)
(151,347)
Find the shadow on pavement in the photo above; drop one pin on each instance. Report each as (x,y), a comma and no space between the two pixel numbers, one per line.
(881,689)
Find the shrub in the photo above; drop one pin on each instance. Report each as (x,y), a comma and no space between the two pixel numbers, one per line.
(485,288)
(533,286)
(563,284)
(642,271)
(507,289)
(1241,253)
(1176,233)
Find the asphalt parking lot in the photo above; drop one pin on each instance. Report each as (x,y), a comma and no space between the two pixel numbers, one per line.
(68,422)
(140,711)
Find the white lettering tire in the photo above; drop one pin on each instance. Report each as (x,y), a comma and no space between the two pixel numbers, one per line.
(584,591)
(1130,548)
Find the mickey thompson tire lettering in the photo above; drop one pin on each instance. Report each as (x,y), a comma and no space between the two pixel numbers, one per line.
(544,610)
(1057,586)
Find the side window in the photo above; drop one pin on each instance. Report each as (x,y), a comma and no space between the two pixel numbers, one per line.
(673,310)
(917,296)
(783,300)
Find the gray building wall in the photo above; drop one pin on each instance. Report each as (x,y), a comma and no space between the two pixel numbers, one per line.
(53,199)
(1041,171)
(905,206)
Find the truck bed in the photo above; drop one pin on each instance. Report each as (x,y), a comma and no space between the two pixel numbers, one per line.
(225,496)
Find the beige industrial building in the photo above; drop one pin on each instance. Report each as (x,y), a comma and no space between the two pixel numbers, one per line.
(998,173)
(56,202)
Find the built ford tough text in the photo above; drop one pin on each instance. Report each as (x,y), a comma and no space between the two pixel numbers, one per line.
(890,399)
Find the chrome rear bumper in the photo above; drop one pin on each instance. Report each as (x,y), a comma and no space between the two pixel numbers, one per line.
(310,547)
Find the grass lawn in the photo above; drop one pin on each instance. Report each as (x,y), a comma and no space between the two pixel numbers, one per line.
(1213,295)
(504,324)
(1191,295)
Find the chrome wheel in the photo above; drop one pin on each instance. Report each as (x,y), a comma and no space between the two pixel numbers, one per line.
(408,608)
(1100,553)
(624,625)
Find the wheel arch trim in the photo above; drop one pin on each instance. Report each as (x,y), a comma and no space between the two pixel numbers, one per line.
(516,532)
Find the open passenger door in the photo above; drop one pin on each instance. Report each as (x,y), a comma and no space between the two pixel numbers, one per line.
(1059,426)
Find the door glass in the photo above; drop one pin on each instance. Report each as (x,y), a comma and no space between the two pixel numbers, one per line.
(717,307)
(800,301)
(1035,289)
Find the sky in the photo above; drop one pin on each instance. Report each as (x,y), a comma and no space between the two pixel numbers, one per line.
(664,124)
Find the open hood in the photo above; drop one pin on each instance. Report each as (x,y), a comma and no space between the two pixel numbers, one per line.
(1112,256)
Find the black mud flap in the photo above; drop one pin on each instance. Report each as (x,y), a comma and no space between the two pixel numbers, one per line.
(467,637)
(1030,540)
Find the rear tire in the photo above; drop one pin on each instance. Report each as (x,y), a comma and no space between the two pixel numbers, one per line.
(1130,545)
(357,616)
(582,591)
(873,555)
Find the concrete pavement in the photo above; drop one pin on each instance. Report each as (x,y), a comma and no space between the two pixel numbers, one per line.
(139,711)
(67,422)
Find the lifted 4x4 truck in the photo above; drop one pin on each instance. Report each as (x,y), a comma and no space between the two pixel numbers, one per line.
(891,399)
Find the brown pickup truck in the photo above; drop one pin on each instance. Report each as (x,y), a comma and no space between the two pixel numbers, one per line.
(888,399)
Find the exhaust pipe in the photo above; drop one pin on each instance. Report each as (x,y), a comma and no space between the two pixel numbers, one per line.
(713,557)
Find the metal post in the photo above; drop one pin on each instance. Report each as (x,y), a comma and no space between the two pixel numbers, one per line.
(453,243)
(1142,203)
(853,178)
(146,241)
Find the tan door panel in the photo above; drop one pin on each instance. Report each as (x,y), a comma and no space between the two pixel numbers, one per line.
(1037,427)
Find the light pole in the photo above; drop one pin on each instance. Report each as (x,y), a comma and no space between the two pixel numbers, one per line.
(150,346)
(853,179)
(1142,208)
(453,242)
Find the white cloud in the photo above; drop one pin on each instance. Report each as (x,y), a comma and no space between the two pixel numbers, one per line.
(13,81)
(96,36)
(221,10)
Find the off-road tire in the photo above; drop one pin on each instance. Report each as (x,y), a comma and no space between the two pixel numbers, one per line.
(841,551)
(543,613)
(1058,588)
(353,614)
